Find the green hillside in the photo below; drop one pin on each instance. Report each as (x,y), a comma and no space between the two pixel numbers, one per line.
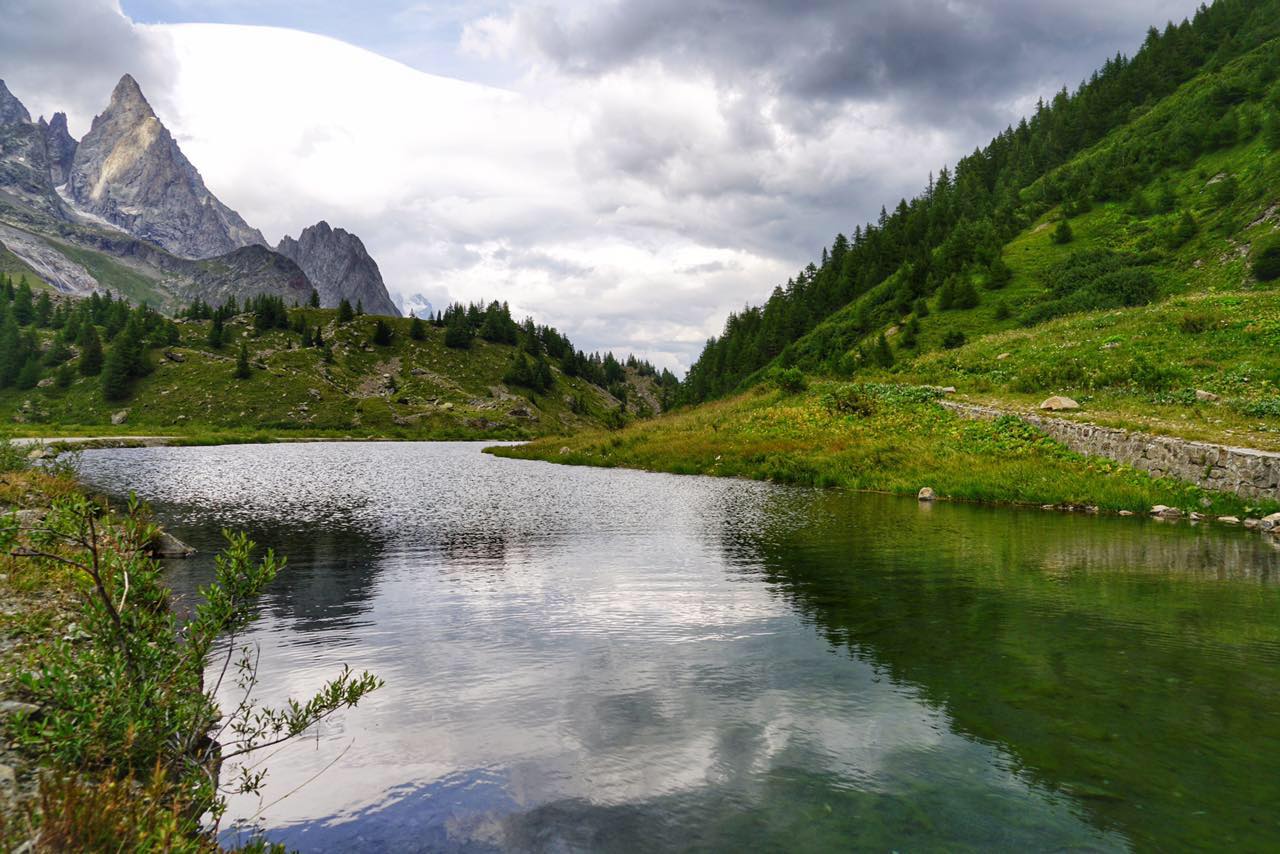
(1165,164)
(367,376)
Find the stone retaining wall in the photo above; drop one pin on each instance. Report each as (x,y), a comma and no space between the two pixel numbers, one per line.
(1244,471)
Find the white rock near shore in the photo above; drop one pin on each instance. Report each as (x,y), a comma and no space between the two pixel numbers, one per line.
(1059,403)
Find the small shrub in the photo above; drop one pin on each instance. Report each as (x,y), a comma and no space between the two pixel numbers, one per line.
(789,380)
(953,340)
(1196,322)
(1184,230)
(1062,234)
(1268,407)
(999,275)
(1266,261)
(849,400)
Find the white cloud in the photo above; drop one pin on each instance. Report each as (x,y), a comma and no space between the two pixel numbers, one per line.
(649,168)
(463,191)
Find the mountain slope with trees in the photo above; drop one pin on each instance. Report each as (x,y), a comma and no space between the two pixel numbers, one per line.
(99,366)
(1196,88)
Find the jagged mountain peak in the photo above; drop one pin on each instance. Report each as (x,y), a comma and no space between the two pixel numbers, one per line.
(12,110)
(130,171)
(127,98)
(337,263)
(61,147)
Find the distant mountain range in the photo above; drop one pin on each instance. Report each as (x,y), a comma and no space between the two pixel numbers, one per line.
(123,209)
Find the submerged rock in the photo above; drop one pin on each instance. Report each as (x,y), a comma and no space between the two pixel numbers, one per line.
(166,545)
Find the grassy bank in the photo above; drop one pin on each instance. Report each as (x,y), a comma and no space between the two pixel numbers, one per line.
(113,739)
(879,438)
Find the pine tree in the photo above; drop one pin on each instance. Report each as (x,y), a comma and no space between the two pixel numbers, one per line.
(24,308)
(1062,234)
(30,373)
(64,376)
(90,346)
(11,355)
(458,333)
(115,372)
(345,314)
(242,361)
(965,295)
(314,301)
(216,336)
(381,333)
(882,355)
(359,307)
(44,309)
(417,329)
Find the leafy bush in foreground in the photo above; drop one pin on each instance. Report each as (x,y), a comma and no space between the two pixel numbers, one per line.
(123,699)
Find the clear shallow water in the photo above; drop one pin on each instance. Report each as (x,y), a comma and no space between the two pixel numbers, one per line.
(584,659)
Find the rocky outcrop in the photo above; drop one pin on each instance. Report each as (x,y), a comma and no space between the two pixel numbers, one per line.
(337,263)
(24,163)
(12,111)
(245,273)
(59,146)
(48,263)
(129,171)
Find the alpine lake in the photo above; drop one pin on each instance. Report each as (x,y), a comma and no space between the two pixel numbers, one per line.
(607,660)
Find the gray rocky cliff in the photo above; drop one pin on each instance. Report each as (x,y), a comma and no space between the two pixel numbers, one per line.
(12,112)
(24,162)
(339,266)
(60,147)
(129,170)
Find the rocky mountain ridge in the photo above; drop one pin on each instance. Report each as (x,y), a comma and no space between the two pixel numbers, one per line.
(123,209)
(129,171)
(339,267)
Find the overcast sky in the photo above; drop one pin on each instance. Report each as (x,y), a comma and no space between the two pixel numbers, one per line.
(628,171)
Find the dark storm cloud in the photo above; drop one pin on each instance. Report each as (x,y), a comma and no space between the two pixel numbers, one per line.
(935,61)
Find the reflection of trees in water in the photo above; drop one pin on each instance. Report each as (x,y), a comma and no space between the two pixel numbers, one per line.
(328,580)
(484,547)
(1131,665)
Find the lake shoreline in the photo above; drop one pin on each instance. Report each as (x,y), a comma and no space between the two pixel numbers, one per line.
(899,442)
